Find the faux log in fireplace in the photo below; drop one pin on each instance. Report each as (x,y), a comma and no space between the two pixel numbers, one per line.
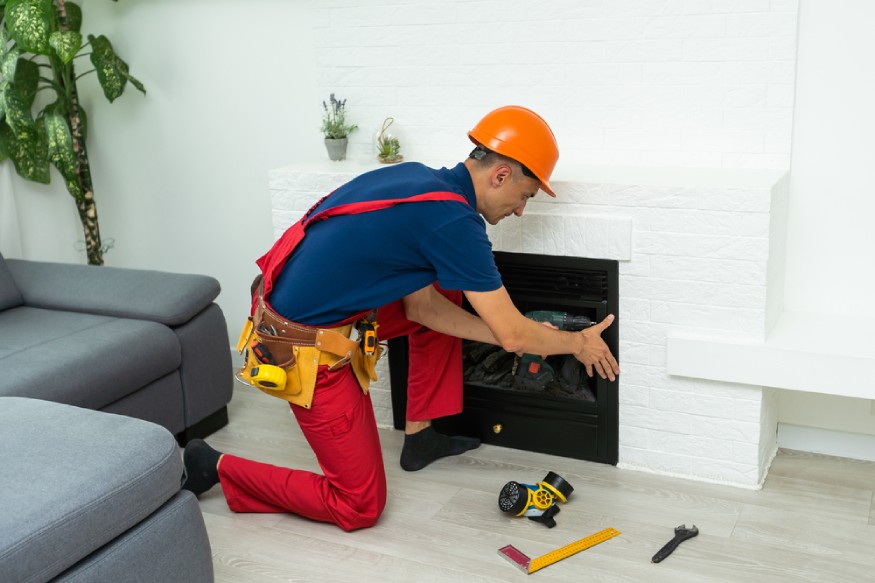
(572,415)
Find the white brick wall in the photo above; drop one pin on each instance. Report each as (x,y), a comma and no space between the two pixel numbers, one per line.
(703,83)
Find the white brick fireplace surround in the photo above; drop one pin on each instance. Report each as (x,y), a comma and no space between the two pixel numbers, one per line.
(700,254)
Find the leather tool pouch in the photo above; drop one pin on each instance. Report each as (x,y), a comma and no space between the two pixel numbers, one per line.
(299,351)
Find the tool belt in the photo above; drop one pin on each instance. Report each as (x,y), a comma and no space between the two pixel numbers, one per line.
(269,339)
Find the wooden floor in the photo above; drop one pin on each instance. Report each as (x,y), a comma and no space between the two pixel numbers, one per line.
(813,521)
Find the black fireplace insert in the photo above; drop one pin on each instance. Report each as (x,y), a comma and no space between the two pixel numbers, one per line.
(544,406)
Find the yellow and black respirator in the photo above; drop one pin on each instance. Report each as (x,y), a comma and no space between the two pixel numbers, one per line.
(535,501)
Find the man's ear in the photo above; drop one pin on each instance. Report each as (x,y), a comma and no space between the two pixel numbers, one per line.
(500,174)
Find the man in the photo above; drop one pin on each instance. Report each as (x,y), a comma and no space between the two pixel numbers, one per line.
(410,241)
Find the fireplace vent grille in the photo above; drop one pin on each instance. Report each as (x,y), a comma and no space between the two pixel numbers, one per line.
(582,285)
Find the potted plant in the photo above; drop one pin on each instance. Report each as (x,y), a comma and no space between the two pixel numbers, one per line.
(388,145)
(335,127)
(39,42)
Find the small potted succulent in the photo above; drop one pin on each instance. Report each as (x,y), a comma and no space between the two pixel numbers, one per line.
(335,127)
(388,145)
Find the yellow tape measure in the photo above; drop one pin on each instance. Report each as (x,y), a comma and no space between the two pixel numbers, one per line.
(518,558)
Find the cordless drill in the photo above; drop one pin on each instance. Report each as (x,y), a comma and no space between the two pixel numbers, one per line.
(534,372)
(562,320)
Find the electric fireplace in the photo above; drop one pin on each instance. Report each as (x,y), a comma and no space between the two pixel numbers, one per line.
(550,405)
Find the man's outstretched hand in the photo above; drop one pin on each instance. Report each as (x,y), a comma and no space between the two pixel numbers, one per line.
(595,354)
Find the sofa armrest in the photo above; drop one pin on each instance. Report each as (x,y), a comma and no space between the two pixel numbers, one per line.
(167,298)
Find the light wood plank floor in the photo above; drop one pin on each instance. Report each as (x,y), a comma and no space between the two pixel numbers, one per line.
(813,521)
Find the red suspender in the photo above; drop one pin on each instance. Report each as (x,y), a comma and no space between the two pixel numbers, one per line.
(272,262)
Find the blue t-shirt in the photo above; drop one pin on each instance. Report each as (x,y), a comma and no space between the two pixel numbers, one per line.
(353,263)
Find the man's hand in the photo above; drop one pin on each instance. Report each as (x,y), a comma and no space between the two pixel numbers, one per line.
(595,353)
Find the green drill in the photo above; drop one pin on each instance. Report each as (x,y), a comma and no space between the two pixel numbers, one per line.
(534,372)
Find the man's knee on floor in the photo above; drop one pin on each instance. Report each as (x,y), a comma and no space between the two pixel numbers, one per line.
(365,519)
(362,513)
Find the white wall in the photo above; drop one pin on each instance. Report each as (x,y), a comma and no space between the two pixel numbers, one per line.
(831,239)
(625,82)
(181,174)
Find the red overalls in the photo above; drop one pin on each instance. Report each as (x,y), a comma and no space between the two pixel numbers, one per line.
(340,425)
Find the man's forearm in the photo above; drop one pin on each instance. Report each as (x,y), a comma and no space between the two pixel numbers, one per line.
(431,309)
(442,315)
(509,329)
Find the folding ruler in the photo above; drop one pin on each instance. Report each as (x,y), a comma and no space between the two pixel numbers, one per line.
(528,566)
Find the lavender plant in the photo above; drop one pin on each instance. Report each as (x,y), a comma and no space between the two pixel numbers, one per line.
(334,125)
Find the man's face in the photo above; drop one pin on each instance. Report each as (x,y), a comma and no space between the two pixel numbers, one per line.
(510,198)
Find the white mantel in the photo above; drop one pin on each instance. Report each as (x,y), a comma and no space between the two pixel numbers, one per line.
(701,264)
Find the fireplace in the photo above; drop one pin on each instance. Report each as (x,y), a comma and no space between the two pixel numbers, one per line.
(574,415)
(700,256)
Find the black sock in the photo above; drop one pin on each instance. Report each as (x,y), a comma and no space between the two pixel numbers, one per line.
(426,446)
(200,466)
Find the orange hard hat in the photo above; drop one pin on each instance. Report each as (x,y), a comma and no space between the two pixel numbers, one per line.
(520,134)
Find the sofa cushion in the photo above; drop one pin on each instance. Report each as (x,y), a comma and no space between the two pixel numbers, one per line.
(169,546)
(9,294)
(73,480)
(168,298)
(81,359)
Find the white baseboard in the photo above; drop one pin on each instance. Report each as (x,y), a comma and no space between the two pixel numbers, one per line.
(827,441)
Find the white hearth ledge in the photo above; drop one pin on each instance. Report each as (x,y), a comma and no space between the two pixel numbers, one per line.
(625,175)
(822,353)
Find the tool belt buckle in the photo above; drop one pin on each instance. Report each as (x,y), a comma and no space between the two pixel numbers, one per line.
(368,337)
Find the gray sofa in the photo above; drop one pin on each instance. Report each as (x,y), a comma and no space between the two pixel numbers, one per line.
(90,497)
(89,490)
(146,344)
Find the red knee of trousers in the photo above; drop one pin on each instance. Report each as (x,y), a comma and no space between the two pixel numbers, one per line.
(365,519)
(362,509)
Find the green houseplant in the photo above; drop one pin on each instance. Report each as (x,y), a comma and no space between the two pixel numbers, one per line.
(388,145)
(40,42)
(335,128)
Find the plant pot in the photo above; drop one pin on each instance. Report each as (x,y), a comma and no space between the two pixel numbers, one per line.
(336,148)
(395,160)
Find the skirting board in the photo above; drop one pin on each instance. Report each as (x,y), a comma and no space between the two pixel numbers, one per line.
(826,441)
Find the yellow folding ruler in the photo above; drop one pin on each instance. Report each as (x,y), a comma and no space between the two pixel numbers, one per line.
(527,565)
